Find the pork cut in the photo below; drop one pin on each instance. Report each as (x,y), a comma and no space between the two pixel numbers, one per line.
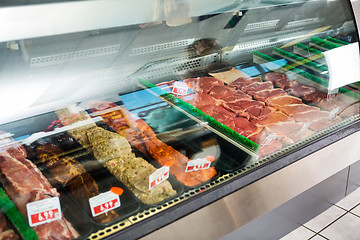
(301,90)
(282,100)
(268,93)
(257,86)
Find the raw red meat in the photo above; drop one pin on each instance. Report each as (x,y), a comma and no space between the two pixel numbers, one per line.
(282,100)
(310,116)
(274,76)
(301,90)
(241,125)
(242,82)
(315,97)
(296,108)
(350,110)
(242,104)
(286,83)
(199,99)
(330,105)
(269,149)
(265,94)
(223,92)
(271,118)
(8,235)
(219,113)
(322,123)
(257,86)
(256,112)
(203,84)
(288,132)
(239,95)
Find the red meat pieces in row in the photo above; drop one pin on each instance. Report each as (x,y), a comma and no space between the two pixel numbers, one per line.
(268,93)
(301,90)
(257,86)
(204,84)
(280,80)
(283,100)
(242,82)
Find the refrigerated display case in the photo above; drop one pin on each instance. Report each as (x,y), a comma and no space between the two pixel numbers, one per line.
(173,118)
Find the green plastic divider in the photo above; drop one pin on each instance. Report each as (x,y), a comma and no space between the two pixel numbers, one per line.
(8,208)
(200,115)
(322,43)
(336,41)
(300,61)
(306,75)
(309,49)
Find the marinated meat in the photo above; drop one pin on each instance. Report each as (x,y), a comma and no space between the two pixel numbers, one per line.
(34,187)
(115,153)
(310,116)
(315,97)
(68,172)
(268,93)
(296,108)
(271,118)
(242,82)
(301,90)
(257,86)
(283,100)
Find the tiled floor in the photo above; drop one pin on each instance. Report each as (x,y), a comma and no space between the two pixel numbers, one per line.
(340,222)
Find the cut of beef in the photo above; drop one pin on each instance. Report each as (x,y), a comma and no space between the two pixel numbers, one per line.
(288,132)
(310,116)
(274,76)
(349,110)
(315,97)
(322,123)
(257,86)
(256,112)
(271,118)
(240,112)
(242,82)
(296,108)
(286,83)
(282,100)
(301,90)
(223,92)
(330,105)
(199,99)
(241,125)
(243,104)
(268,93)
(203,84)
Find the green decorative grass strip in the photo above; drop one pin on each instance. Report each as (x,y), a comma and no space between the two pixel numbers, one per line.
(299,60)
(306,75)
(309,49)
(336,41)
(325,44)
(200,115)
(8,208)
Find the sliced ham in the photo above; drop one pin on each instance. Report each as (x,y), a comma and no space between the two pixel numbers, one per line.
(283,100)
(257,86)
(268,93)
(301,90)
(296,108)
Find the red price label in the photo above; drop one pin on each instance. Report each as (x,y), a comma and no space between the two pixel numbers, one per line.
(180,88)
(332,95)
(158,176)
(104,202)
(197,167)
(199,164)
(44,216)
(43,211)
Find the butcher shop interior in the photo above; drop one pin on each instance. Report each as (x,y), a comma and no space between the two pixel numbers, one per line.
(176,119)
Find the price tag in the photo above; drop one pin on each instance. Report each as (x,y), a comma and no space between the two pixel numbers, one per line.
(269,139)
(158,176)
(103,203)
(180,88)
(43,211)
(304,128)
(199,164)
(332,95)
(333,113)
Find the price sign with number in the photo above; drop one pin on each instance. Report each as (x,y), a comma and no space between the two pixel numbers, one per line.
(43,211)
(332,95)
(180,88)
(199,164)
(103,203)
(158,176)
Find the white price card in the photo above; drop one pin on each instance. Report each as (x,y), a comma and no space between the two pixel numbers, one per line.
(180,88)
(199,164)
(269,139)
(43,211)
(333,113)
(103,203)
(332,94)
(158,176)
